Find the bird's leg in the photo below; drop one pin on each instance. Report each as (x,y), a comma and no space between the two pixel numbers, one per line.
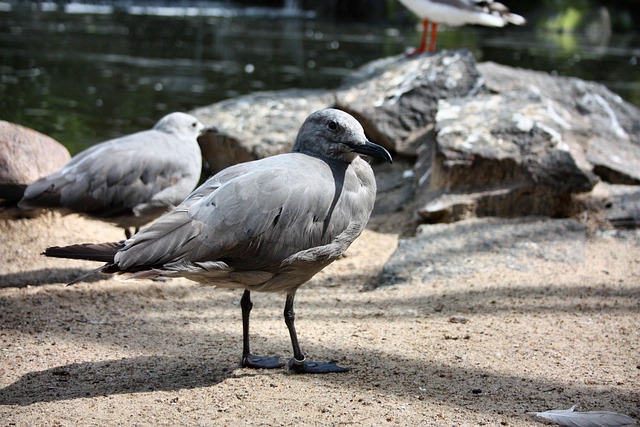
(298,363)
(434,35)
(131,231)
(423,40)
(248,360)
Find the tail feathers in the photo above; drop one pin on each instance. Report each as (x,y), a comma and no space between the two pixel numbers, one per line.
(503,11)
(104,252)
(514,19)
(103,269)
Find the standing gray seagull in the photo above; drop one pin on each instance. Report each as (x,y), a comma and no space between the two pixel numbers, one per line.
(268,225)
(128,181)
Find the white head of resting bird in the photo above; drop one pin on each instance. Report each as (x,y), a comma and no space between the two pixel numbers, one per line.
(458,12)
(128,181)
(268,225)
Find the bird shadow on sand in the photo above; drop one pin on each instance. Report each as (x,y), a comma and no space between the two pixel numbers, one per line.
(460,386)
(211,357)
(45,276)
(109,377)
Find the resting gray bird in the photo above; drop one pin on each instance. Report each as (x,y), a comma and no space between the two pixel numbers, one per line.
(268,225)
(128,181)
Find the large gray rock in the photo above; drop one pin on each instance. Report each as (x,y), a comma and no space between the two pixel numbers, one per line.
(396,98)
(606,127)
(526,149)
(466,247)
(501,155)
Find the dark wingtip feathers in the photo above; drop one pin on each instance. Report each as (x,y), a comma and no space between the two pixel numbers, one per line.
(103,252)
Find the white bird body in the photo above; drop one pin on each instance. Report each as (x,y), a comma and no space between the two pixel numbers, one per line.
(463,12)
(458,12)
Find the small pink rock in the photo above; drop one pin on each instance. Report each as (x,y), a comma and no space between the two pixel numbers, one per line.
(26,155)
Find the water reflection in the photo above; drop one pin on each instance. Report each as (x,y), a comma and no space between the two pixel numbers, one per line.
(84,78)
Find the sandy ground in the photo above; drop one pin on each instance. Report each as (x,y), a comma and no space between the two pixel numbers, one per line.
(471,351)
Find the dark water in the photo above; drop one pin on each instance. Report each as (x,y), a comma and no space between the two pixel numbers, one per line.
(84,78)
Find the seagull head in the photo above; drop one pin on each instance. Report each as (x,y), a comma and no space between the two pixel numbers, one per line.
(335,134)
(180,124)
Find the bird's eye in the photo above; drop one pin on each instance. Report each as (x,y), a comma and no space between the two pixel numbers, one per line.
(194,124)
(332,125)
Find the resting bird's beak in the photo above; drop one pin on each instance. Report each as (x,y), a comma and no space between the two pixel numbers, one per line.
(374,150)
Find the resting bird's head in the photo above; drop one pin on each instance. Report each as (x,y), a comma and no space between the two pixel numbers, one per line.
(334,134)
(181,124)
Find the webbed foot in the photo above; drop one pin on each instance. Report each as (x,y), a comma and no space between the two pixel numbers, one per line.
(262,362)
(305,367)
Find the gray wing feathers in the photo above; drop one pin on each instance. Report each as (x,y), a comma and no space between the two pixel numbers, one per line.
(266,216)
(154,246)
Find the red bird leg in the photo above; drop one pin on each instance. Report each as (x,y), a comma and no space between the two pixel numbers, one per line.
(434,35)
(423,40)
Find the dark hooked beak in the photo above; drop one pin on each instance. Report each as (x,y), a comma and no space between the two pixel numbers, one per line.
(374,150)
